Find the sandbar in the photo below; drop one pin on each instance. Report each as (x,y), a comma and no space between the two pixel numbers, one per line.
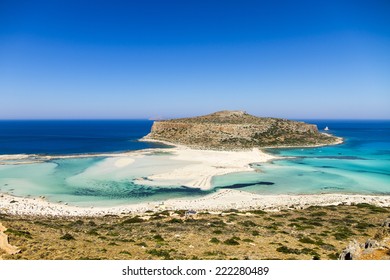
(202,166)
(205,165)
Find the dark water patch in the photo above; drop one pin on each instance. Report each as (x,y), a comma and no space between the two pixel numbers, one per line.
(123,190)
(372,172)
(339,157)
(273,151)
(332,188)
(382,152)
(298,158)
(159,153)
(243,185)
(382,193)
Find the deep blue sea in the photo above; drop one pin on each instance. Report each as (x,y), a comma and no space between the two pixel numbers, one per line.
(73,136)
(360,165)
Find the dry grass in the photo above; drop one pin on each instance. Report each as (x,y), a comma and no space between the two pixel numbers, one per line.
(313,233)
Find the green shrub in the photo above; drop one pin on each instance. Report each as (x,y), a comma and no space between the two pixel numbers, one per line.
(373,208)
(214,240)
(133,220)
(181,213)
(231,241)
(67,236)
(125,253)
(258,212)
(20,233)
(286,250)
(214,253)
(78,223)
(93,232)
(343,233)
(248,240)
(318,214)
(306,240)
(158,238)
(333,256)
(175,221)
(363,225)
(160,253)
(248,223)
(92,223)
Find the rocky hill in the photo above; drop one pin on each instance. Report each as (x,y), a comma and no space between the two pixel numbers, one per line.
(234,130)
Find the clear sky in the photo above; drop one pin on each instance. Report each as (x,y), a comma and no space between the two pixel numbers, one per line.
(148,59)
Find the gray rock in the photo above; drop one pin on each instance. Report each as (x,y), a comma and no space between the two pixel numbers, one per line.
(386,223)
(352,252)
(371,244)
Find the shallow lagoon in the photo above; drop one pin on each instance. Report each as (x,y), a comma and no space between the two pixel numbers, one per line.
(360,165)
(91,181)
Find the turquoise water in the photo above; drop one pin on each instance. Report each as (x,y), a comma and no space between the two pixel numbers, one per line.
(360,165)
(92,181)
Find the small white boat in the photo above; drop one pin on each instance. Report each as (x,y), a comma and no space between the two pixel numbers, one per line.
(326,128)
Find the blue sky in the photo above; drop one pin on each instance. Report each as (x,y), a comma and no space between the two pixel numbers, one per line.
(150,59)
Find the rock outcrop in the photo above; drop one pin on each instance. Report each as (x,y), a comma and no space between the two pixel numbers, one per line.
(4,245)
(235,130)
(372,249)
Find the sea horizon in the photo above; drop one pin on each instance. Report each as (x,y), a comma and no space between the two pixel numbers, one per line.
(360,165)
(162,119)
(281,150)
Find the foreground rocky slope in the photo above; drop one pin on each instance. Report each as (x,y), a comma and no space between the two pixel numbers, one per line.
(372,249)
(234,130)
(303,234)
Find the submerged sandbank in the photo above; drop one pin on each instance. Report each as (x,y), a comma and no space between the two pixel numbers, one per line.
(205,164)
(178,166)
(196,172)
(192,168)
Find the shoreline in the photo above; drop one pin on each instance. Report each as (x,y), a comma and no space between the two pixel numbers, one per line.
(203,166)
(338,141)
(222,200)
(36,158)
(197,171)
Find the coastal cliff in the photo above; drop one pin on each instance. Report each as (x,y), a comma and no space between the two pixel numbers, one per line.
(235,130)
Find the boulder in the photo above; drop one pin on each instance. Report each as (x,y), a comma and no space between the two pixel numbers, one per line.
(386,223)
(352,252)
(371,244)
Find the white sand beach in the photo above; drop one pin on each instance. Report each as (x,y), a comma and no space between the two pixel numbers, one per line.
(197,167)
(220,201)
(206,164)
(202,166)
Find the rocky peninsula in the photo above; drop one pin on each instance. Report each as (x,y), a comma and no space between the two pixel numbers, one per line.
(238,130)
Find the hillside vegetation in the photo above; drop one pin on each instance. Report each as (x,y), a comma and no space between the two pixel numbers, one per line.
(236,130)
